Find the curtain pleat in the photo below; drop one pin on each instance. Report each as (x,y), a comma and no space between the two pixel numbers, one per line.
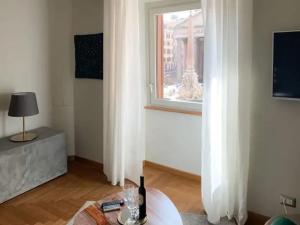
(123,113)
(225,113)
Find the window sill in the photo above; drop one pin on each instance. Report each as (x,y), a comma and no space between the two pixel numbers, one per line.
(164,109)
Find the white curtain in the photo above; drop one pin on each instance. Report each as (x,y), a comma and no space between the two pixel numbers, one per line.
(225,134)
(123,92)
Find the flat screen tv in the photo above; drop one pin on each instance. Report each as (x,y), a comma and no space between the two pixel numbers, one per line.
(286,65)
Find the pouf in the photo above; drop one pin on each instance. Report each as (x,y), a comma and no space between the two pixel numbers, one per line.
(282,221)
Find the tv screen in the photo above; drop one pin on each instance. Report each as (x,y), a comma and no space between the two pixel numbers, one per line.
(286,65)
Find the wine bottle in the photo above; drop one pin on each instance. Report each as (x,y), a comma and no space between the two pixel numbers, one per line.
(142,199)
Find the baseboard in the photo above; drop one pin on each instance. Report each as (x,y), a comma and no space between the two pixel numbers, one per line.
(256,219)
(71,157)
(86,161)
(171,170)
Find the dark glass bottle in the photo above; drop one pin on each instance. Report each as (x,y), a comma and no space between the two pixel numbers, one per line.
(142,199)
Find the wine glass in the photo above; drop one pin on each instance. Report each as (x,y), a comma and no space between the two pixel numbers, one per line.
(131,198)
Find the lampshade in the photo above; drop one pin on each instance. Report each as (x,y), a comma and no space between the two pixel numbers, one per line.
(23,104)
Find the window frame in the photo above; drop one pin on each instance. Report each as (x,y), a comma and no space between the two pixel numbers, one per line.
(153,9)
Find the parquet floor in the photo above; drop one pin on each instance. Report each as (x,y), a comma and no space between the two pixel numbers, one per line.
(55,202)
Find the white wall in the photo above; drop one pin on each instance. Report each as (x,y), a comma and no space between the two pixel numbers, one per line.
(88,94)
(275,145)
(35,56)
(61,68)
(24,60)
(174,140)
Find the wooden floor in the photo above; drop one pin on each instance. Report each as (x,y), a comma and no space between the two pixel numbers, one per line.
(55,202)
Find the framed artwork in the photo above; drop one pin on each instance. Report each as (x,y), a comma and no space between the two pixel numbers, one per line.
(89,56)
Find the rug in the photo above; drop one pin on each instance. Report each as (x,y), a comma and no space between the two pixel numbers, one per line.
(194,219)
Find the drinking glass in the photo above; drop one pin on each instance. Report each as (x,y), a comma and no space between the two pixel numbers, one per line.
(131,198)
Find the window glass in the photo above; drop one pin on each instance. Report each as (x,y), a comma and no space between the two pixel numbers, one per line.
(179,55)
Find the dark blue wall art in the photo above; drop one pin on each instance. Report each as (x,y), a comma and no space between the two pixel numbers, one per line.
(89,56)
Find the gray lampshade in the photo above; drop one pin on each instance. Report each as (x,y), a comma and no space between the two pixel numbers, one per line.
(23,104)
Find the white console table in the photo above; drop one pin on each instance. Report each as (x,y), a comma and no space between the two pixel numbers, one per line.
(26,165)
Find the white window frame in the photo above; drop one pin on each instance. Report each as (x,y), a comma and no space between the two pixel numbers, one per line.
(152,9)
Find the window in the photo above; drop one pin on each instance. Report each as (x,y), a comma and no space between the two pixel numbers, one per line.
(176,55)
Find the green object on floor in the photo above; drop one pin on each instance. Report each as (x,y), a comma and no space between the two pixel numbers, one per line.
(282,221)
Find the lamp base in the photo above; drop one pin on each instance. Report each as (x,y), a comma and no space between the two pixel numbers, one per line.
(20,138)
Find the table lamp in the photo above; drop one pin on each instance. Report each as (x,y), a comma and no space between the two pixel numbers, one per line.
(21,105)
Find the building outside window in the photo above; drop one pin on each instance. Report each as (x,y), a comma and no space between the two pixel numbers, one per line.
(177,57)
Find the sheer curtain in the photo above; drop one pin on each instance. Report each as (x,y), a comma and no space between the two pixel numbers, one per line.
(225,141)
(123,92)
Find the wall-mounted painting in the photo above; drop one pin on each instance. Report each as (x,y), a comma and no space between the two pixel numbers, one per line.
(89,56)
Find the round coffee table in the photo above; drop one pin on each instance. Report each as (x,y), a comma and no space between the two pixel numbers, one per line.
(160,210)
